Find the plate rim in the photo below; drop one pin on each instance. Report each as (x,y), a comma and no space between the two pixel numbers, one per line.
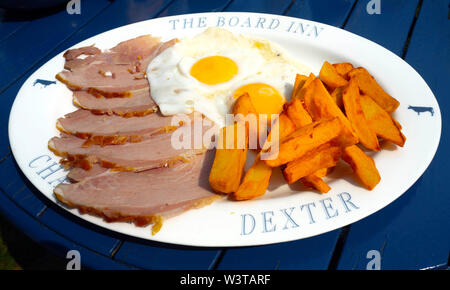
(329,229)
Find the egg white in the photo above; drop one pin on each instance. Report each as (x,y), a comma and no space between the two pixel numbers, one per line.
(176,91)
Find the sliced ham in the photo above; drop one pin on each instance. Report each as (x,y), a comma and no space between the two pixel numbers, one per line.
(104,79)
(77,57)
(140,104)
(153,152)
(129,52)
(112,130)
(119,72)
(142,197)
(78,174)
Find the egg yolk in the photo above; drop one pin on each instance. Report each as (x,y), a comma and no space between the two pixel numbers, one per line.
(214,70)
(264,97)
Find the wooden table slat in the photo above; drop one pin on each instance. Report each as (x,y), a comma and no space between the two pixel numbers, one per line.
(389,28)
(155,256)
(94,239)
(194,6)
(22,50)
(22,192)
(13,185)
(312,254)
(10,23)
(324,11)
(51,240)
(272,7)
(119,13)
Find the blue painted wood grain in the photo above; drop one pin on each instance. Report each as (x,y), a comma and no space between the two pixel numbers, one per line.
(119,13)
(307,254)
(12,184)
(54,242)
(21,51)
(272,7)
(332,12)
(413,232)
(82,232)
(15,185)
(6,101)
(194,6)
(389,28)
(154,256)
(10,22)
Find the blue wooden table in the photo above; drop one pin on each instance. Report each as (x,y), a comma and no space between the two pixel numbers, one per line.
(411,233)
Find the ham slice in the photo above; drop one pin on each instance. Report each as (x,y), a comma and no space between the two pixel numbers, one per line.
(104,79)
(157,151)
(112,130)
(78,174)
(139,48)
(144,197)
(140,104)
(119,72)
(73,56)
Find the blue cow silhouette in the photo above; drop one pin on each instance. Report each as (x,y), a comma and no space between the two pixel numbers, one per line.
(419,110)
(44,82)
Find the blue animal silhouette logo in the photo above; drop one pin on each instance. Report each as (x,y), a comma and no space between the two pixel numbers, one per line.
(45,83)
(419,110)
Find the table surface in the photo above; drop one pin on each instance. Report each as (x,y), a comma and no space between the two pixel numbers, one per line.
(410,233)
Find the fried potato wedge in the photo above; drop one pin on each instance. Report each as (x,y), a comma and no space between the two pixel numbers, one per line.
(231,154)
(285,126)
(355,115)
(343,68)
(320,105)
(245,112)
(300,80)
(322,157)
(255,182)
(363,166)
(329,75)
(243,105)
(308,138)
(300,117)
(369,86)
(336,95)
(266,100)
(296,111)
(322,172)
(281,128)
(316,182)
(381,122)
(301,90)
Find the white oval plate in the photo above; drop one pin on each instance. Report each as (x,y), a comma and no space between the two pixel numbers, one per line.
(284,213)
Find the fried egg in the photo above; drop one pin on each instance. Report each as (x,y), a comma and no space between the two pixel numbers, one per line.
(208,72)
